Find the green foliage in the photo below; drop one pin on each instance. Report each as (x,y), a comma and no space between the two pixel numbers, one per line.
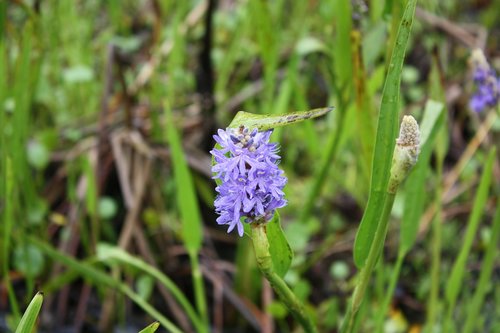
(78,77)
(385,141)
(151,328)
(266,122)
(454,284)
(28,320)
(186,197)
(280,250)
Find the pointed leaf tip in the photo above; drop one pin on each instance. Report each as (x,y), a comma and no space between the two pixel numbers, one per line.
(267,122)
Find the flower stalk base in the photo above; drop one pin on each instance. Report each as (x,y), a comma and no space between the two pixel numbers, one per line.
(265,263)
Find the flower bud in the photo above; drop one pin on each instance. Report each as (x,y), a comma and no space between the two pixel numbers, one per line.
(405,153)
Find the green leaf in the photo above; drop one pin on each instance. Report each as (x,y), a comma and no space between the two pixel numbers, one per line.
(144,286)
(454,284)
(415,185)
(309,44)
(266,122)
(386,137)
(28,320)
(191,226)
(107,208)
(78,74)
(102,279)
(108,253)
(151,328)
(28,259)
(281,253)
(487,267)
(38,155)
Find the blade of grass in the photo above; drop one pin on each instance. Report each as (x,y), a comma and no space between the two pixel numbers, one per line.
(267,33)
(364,110)
(471,323)
(8,224)
(27,323)
(454,284)
(342,67)
(151,328)
(108,252)
(342,56)
(385,140)
(436,91)
(191,226)
(100,278)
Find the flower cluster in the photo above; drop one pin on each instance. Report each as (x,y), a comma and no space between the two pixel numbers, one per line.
(251,186)
(487,83)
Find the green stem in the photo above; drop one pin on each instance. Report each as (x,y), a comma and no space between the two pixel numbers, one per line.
(8,226)
(472,324)
(319,179)
(433,305)
(199,289)
(264,261)
(388,296)
(371,260)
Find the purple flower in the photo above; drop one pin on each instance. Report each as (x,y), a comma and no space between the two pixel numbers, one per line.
(487,93)
(251,183)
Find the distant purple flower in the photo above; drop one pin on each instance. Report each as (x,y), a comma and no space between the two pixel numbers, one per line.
(252,184)
(487,93)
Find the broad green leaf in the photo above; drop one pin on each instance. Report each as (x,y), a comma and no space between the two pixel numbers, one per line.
(266,122)
(28,320)
(191,226)
(386,137)
(151,328)
(454,284)
(415,185)
(280,250)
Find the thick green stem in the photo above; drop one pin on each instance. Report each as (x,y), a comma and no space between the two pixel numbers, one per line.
(265,263)
(371,260)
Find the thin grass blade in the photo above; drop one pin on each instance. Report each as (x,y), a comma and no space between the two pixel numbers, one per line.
(101,279)
(29,318)
(186,195)
(484,278)
(109,252)
(151,328)
(454,284)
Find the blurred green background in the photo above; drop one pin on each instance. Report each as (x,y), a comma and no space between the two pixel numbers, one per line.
(103,104)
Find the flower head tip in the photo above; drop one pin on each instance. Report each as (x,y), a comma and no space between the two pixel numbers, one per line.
(405,153)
